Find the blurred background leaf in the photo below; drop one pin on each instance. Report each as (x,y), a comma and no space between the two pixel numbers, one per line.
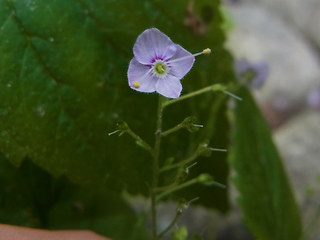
(29,196)
(266,198)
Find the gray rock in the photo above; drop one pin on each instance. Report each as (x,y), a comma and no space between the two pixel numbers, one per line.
(303,14)
(260,35)
(299,144)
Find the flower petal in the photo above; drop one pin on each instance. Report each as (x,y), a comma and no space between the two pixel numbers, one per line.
(180,68)
(152,44)
(169,86)
(140,73)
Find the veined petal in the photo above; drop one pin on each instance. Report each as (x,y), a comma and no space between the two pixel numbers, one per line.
(142,74)
(152,44)
(169,86)
(181,62)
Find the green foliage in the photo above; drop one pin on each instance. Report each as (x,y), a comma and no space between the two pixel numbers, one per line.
(31,197)
(270,210)
(63,87)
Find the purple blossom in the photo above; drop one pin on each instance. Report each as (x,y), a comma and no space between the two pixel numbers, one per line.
(314,98)
(252,74)
(158,64)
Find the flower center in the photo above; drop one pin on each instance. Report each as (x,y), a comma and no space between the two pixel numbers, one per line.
(160,68)
(249,75)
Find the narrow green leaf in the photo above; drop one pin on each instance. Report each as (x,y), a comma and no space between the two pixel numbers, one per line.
(266,198)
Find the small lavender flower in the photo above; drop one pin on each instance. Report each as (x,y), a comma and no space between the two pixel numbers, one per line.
(159,64)
(314,98)
(252,74)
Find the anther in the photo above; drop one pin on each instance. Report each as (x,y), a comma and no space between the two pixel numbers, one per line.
(206,51)
(136,84)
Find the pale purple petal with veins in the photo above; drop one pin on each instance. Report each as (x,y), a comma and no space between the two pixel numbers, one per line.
(153,44)
(181,67)
(169,86)
(141,73)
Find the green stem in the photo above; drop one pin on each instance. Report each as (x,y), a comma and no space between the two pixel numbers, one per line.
(140,141)
(156,168)
(179,187)
(180,164)
(171,130)
(214,87)
(171,225)
(189,95)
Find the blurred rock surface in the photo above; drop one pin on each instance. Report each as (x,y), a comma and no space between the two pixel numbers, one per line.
(284,33)
(299,145)
(305,14)
(260,35)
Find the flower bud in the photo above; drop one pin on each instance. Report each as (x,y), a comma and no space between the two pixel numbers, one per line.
(190,124)
(181,233)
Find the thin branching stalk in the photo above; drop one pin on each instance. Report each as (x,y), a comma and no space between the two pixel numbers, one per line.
(171,225)
(214,87)
(155,179)
(140,141)
(181,163)
(177,188)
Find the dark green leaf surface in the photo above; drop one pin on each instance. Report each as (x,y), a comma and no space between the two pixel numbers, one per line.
(266,198)
(29,196)
(64,86)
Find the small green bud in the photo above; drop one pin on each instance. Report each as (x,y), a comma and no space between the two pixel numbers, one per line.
(204,150)
(218,87)
(181,233)
(122,127)
(190,124)
(183,204)
(205,178)
(182,174)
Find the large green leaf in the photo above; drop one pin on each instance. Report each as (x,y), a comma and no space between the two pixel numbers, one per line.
(30,196)
(266,198)
(63,87)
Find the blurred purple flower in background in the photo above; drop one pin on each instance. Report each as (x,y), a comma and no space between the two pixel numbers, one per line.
(159,64)
(313,98)
(252,74)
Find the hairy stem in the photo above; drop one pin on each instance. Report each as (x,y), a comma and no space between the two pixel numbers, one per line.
(172,130)
(171,225)
(140,141)
(177,188)
(181,163)
(215,87)
(156,168)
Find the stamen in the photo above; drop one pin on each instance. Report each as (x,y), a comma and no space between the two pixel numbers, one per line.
(232,95)
(218,150)
(198,125)
(136,84)
(206,51)
(114,132)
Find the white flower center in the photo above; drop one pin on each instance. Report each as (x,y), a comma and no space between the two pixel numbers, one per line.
(160,68)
